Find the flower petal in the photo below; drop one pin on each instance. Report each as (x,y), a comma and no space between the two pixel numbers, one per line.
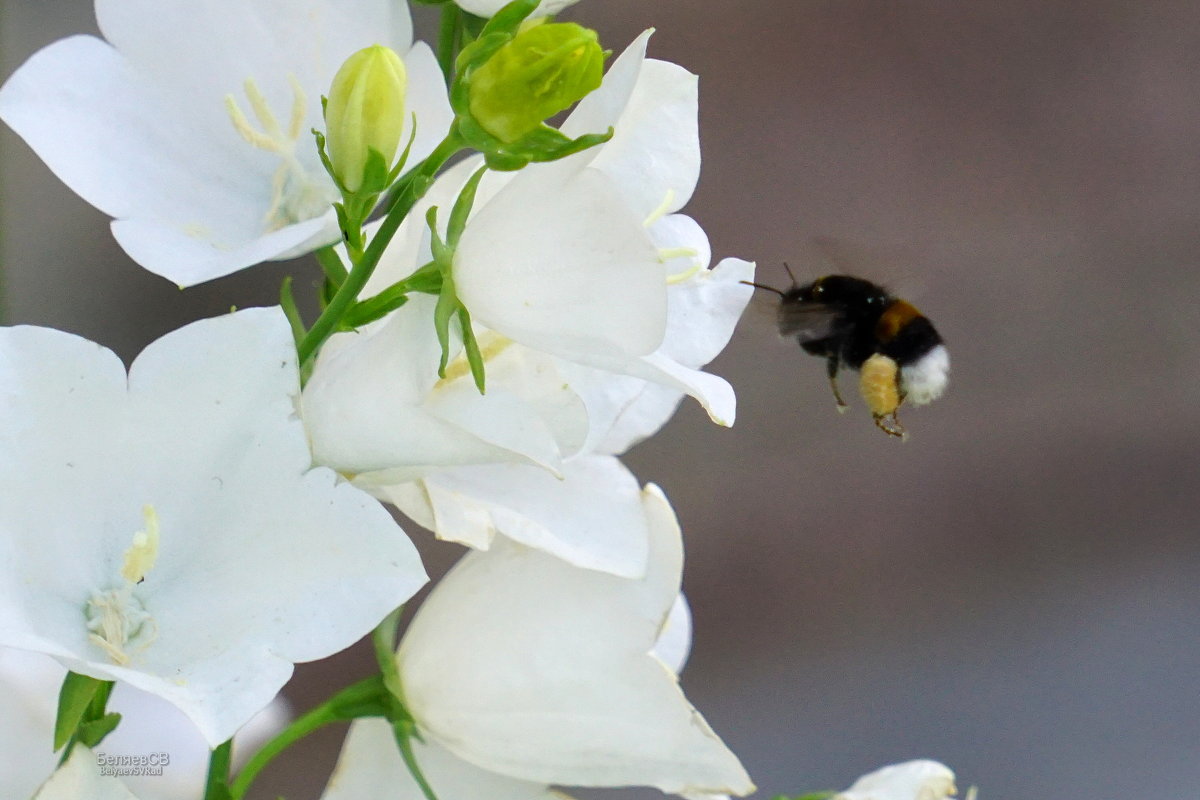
(911,780)
(80,778)
(654,155)
(591,516)
(486,8)
(370,768)
(557,263)
(208,438)
(527,666)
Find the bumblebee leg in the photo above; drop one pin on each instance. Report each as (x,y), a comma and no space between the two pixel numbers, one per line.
(890,424)
(831,367)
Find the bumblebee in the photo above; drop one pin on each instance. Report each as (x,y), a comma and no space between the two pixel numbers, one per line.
(852,323)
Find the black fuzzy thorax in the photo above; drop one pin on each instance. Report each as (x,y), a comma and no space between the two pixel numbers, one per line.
(838,317)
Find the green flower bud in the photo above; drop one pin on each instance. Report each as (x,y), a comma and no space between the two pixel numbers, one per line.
(543,70)
(365,112)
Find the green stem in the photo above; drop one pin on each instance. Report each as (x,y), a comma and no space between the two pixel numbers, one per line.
(349,703)
(215,787)
(383,639)
(448,39)
(418,182)
(331,265)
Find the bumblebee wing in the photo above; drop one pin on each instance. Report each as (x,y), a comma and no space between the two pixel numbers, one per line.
(806,321)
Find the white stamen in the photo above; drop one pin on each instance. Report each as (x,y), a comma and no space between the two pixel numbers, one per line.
(663,209)
(295,195)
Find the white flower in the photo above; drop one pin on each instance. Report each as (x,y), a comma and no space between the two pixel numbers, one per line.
(594,313)
(370,767)
(486,8)
(912,780)
(191,124)
(80,779)
(29,684)
(169,531)
(526,666)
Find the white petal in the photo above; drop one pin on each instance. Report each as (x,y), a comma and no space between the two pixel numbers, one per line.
(80,778)
(209,50)
(557,263)
(374,404)
(702,314)
(911,780)
(486,8)
(654,155)
(370,768)
(186,260)
(591,517)
(525,665)
(207,436)
(675,639)
(29,685)
(426,99)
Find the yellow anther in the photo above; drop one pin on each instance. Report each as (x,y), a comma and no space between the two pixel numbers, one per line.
(666,254)
(258,104)
(663,209)
(141,555)
(114,618)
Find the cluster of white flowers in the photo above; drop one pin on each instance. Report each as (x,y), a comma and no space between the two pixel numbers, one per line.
(193,526)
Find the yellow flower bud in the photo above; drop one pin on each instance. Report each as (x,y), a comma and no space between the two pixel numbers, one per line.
(365,112)
(543,70)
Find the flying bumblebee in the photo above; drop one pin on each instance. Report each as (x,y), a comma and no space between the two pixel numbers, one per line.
(852,323)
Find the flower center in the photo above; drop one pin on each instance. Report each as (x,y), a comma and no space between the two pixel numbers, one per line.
(116,620)
(296,194)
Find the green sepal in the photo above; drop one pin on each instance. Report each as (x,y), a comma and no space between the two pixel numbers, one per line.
(324,156)
(92,733)
(74,698)
(471,347)
(394,175)
(510,17)
(443,312)
(375,175)
(372,309)
(472,56)
(462,209)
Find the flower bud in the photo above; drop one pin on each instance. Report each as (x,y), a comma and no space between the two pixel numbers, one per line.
(365,112)
(543,70)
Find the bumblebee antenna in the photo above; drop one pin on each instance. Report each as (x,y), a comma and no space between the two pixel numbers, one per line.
(779,292)
(790,275)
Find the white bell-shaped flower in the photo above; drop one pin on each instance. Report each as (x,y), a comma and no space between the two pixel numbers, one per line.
(526,666)
(190,123)
(171,532)
(921,779)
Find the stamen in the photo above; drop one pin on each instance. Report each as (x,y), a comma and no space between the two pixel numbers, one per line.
(663,209)
(258,104)
(141,555)
(244,129)
(115,617)
(680,277)
(299,105)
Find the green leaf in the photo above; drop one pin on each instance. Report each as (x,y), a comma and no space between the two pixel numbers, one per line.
(443,312)
(73,700)
(287,301)
(92,733)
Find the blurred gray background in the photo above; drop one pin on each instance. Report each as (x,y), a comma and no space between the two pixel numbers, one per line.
(1014,590)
